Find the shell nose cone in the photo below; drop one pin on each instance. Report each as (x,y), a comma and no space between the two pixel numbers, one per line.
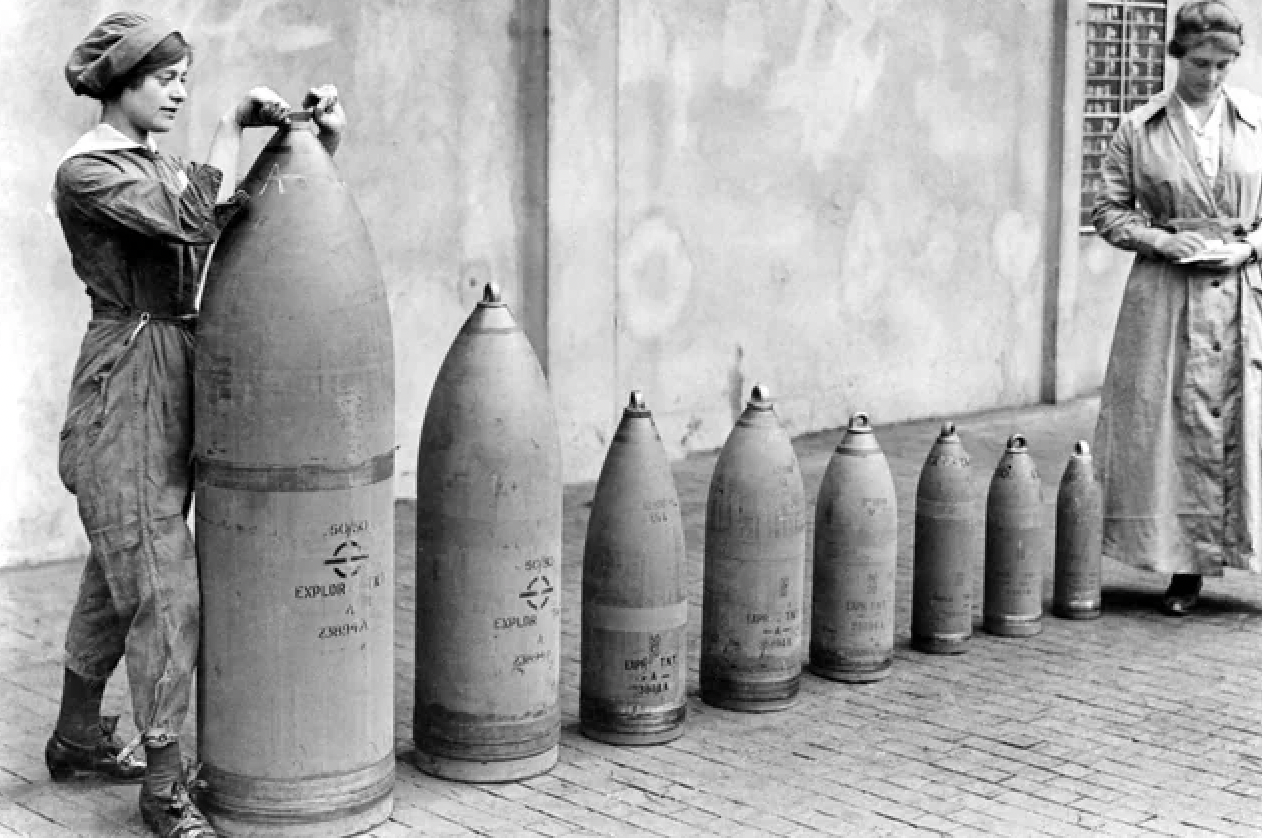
(947,432)
(636,406)
(859,437)
(760,398)
(491,294)
(1017,444)
(860,424)
(1080,465)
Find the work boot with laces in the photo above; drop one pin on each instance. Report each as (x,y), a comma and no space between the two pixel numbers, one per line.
(173,814)
(103,756)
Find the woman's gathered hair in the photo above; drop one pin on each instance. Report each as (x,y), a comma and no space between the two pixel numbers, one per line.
(1205,20)
(170,50)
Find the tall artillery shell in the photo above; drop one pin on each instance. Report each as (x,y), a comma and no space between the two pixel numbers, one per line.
(755,560)
(1079,519)
(1013,599)
(488,559)
(945,543)
(295,536)
(856,561)
(635,601)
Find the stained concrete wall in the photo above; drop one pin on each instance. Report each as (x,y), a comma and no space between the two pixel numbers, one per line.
(845,200)
(435,95)
(1102,271)
(842,200)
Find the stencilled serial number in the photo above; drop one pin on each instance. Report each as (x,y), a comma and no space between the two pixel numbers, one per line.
(343,630)
(346,528)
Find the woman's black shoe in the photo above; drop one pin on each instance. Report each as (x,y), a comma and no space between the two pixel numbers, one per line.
(106,757)
(1182,594)
(174,814)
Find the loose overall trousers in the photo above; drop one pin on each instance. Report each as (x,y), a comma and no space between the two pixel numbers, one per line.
(138,224)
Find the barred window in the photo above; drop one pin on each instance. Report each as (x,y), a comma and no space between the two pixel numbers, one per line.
(1126,51)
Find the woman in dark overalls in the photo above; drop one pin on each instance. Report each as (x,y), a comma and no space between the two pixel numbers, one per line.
(139,223)
(1179,438)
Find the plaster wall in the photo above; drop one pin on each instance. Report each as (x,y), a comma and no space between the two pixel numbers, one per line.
(1102,271)
(843,201)
(433,155)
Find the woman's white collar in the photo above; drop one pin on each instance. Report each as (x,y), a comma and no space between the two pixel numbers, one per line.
(105,137)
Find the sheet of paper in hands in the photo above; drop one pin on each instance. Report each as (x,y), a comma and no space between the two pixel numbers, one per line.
(1214,250)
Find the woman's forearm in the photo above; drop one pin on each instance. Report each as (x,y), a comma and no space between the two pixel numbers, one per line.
(225,148)
(330,141)
(1115,215)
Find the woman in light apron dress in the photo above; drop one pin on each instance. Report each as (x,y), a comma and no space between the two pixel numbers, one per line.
(1179,436)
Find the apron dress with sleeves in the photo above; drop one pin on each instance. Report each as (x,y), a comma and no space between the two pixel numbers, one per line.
(1179,436)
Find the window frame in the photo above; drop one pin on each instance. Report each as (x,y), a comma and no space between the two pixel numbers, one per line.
(1110,73)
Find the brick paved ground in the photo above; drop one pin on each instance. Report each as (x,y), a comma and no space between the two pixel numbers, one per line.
(1131,725)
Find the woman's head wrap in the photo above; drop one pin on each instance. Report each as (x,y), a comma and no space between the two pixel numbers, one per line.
(1206,20)
(112,49)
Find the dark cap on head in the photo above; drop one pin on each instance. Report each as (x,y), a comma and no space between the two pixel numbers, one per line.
(112,49)
(1205,20)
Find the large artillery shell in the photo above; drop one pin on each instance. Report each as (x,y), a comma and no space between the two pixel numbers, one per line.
(1079,520)
(856,560)
(945,543)
(488,559)
(1013,600)
(635,600)
(295,446)
(755,563)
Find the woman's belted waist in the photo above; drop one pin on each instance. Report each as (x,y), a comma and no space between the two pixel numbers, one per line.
(1225,228)
(119,313)
(141,318)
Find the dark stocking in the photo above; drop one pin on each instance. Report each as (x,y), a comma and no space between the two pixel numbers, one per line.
(165,768)
(79,721)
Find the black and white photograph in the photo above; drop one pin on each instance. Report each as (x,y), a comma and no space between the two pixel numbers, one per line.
(632,418)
